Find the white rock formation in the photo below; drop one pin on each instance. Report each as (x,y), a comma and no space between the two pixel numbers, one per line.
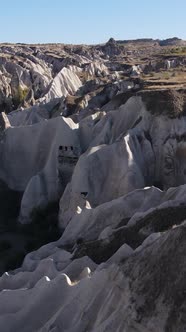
(66,82)
(95,277)
(50,292)
(4,121)
(97,68)
(117,170)
(126,151)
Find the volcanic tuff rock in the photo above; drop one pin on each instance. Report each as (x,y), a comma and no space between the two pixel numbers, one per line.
(80,135)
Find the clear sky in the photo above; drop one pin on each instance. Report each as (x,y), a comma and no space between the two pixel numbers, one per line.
(90,21)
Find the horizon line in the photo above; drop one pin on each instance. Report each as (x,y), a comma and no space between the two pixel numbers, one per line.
(92,44)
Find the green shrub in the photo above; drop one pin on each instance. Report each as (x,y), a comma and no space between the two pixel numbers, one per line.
(165,76)
(19,96)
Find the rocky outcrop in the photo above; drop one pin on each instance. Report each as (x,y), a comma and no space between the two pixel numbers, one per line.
(52,275)
(111,48)
(92,190)
(66,82)
(96,69)
(4,122)
(128,136)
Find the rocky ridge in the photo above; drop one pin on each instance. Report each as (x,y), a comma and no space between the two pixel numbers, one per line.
(93,164)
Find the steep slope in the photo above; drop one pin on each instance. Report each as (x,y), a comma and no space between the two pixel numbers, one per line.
(93,189)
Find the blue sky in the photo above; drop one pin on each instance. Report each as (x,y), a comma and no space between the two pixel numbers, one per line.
(90,21)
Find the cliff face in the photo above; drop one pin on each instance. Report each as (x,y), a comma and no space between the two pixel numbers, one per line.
(93,190)
(31,74)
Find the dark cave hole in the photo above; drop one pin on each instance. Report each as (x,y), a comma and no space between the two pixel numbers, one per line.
(84,194)
(17,240)
(158,184)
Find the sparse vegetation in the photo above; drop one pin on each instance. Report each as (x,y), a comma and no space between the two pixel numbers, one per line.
(20,95)
(165,75)
(178,50)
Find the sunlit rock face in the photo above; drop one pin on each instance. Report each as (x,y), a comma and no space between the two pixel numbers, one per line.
(118,152)
(66,82)
(118,175)
(136,153)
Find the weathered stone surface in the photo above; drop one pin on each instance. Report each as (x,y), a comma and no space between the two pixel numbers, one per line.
(108,151)
(4,122)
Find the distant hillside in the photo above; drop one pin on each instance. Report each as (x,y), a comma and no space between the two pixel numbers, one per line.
(163,42)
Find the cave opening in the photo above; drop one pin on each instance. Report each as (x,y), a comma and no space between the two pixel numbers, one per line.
(17,240)
(158,184)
